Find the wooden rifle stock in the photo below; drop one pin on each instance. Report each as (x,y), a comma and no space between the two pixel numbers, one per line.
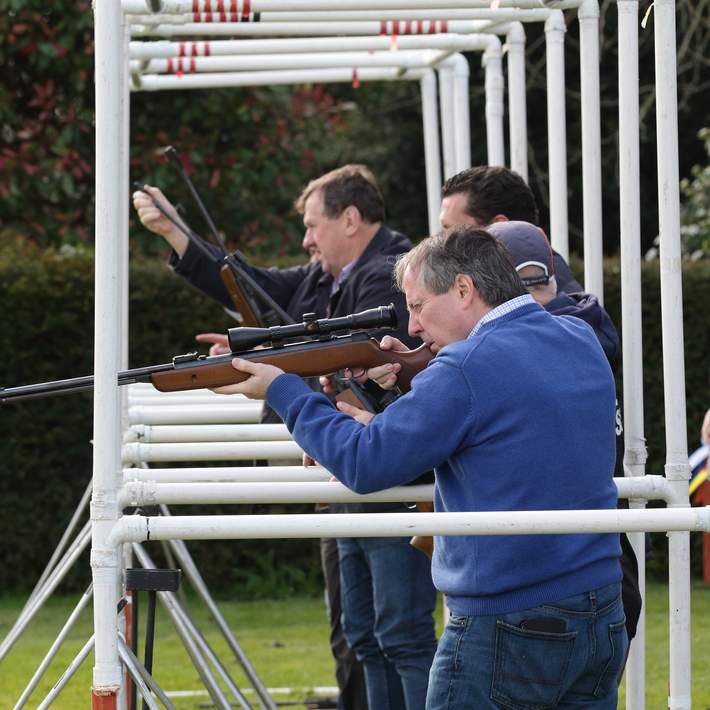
(239,298)
(308,359)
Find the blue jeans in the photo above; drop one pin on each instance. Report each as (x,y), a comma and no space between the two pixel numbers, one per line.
(567,654)
(388,599)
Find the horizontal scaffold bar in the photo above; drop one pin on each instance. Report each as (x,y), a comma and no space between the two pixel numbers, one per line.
(218,451)
(225,47)
(153,82)
(136,528)
(405,18)
(234,474)
(195,414)
(154,434)
(141,493)
(239,6)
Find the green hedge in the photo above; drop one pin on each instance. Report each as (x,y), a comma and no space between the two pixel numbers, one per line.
(45,451)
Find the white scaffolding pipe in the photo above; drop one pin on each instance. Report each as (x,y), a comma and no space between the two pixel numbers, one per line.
(404,21)
(201,397)
(153,82)
(195,414)
(188,6)
(136,528)
(517,107)
(309,29)
(588,15)
(125,198)
(146,388)
(643,487)
(149,434)
(228,474)
(139,493)
(493,64)
(432,159)
(460,105)
(445,73)
(238,451)
(265,489)
(250,62)
(109,60)
(631,330)
(164,48)
(557,131)
(639,487)
(677,469)
(124,279)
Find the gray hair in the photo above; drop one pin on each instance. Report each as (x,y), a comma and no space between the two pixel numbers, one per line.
(464,250)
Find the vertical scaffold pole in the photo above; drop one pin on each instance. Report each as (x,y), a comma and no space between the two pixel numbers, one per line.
(105,567)
(432,158)
(677,470)
(557,130)
(125,619)
(446,118)
(588,14)
(495,139)
(517,111)
(462,120)
(631,334)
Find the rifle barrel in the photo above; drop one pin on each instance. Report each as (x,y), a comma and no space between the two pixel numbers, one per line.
(77,384)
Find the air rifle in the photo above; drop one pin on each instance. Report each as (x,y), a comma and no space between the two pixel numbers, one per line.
(252,302)
(309,349)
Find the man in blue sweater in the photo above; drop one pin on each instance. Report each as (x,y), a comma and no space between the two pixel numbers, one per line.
(516,412)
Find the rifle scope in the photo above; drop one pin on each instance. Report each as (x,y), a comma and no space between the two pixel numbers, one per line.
(241,339)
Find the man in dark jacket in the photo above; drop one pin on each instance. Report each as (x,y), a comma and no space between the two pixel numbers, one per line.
(353,253)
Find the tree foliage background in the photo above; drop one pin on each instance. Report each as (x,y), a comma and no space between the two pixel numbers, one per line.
(251,150)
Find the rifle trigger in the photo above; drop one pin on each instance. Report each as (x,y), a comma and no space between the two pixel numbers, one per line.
(188,357)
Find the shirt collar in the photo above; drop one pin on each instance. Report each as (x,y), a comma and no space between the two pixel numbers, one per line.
(508,307)
(340,278)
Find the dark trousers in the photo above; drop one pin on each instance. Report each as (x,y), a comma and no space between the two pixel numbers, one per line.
(348,670)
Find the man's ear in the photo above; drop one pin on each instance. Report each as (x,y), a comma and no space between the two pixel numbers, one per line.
(465,287)
(499,218)
(353,219)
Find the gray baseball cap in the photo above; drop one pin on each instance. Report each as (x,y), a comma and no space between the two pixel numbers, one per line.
(526,245)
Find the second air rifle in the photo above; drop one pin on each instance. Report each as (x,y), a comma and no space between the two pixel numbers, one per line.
(309,349)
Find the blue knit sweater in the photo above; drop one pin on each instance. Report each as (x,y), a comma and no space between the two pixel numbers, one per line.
(520,416)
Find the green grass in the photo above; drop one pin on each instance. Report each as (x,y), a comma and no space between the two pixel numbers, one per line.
(287,643)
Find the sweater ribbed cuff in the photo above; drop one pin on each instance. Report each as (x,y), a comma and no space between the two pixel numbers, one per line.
(283,390)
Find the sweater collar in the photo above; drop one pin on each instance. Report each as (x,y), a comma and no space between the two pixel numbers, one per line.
(503,309)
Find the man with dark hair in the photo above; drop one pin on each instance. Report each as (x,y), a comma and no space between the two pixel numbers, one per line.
(487,194)
(385,584)
(536,620)
(492,191)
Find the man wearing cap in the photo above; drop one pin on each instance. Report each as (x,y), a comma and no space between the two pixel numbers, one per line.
(488,194)
(533,259)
